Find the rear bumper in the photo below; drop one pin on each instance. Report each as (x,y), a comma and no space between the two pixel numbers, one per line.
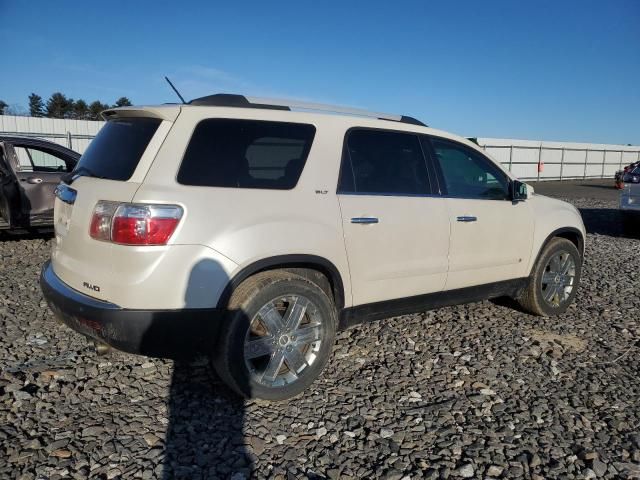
(156,333)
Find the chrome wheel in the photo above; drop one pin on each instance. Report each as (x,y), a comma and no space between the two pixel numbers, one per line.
(283,340)
(558,279)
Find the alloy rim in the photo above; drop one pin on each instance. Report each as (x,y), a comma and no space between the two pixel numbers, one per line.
(283,340)
(558,279)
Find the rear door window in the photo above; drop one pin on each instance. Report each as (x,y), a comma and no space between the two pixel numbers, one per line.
(115,152)
(380,162)
(246,154)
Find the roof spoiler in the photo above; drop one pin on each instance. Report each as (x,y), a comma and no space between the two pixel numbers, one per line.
(163,113)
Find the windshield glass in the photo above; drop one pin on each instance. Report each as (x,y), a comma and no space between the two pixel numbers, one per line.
(115,152)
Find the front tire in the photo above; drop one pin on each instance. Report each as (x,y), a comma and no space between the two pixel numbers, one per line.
(554,280)
(277,337)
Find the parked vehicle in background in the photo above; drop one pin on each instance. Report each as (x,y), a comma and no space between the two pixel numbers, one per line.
(630,174)
(30,170)
(630,203)
(253,232)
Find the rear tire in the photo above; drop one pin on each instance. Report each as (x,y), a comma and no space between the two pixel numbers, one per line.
(277,336)
(554,280)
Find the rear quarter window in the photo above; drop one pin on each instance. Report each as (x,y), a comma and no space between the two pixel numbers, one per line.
(115,152)
(246,154)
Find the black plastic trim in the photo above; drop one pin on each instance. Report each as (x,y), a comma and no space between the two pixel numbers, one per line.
(157,333)
(287,261)
(233,100)
(412,121)
(419,303)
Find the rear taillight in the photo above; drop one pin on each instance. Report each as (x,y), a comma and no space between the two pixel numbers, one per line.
(100,228)
(134,223)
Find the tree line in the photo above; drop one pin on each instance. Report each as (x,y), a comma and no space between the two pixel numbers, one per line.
(60,106)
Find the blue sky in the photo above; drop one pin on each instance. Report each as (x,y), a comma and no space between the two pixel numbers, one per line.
(551,70)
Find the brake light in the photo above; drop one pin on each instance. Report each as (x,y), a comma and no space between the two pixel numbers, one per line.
(134,223)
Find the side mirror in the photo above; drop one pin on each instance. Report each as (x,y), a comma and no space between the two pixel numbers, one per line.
(519,191)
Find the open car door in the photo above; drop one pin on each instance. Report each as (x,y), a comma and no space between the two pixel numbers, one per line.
(9,192)
(37,170)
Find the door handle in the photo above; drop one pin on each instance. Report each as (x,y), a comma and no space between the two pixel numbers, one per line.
(363,220)
(32,180)
(467,218)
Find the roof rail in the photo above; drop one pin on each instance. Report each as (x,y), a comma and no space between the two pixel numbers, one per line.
(241,101)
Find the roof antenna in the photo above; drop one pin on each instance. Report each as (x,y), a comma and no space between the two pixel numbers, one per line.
(175,89)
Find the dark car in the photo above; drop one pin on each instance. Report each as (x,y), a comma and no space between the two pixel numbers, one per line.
(632,175)
(30,170)
(627,175)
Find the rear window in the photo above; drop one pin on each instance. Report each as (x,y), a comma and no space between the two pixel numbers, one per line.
(115,152)
(246,154)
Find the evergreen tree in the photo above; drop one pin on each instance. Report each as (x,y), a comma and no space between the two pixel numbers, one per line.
(59,106)
(3,105)
(123,102)
(95,108)
(36,106)
(81,110)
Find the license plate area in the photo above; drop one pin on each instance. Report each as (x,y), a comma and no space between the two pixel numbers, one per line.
(65,198)
(63,219)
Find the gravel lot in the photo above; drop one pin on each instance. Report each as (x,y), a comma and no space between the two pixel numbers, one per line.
(473,391)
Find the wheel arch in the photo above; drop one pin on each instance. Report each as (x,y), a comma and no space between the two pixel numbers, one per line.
(295,263)
(570,233)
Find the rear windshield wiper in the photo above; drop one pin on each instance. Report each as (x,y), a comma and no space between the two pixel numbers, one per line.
(68,178)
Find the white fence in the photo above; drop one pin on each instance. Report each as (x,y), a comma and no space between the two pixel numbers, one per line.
(535,160)
(74,134)
(527,159)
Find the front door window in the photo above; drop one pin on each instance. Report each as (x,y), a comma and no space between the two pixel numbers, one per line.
(467,174)
(33,160)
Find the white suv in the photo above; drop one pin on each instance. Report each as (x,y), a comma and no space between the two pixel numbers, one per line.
(252,231)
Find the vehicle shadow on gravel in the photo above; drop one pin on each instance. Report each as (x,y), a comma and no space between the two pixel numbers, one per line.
(205,433)
(20,235)
(204,436)
(595,185)
(607,221)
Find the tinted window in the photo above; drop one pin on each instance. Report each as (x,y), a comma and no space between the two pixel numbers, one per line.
(468,174)
(246,154)
(115,152)
(376,161)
